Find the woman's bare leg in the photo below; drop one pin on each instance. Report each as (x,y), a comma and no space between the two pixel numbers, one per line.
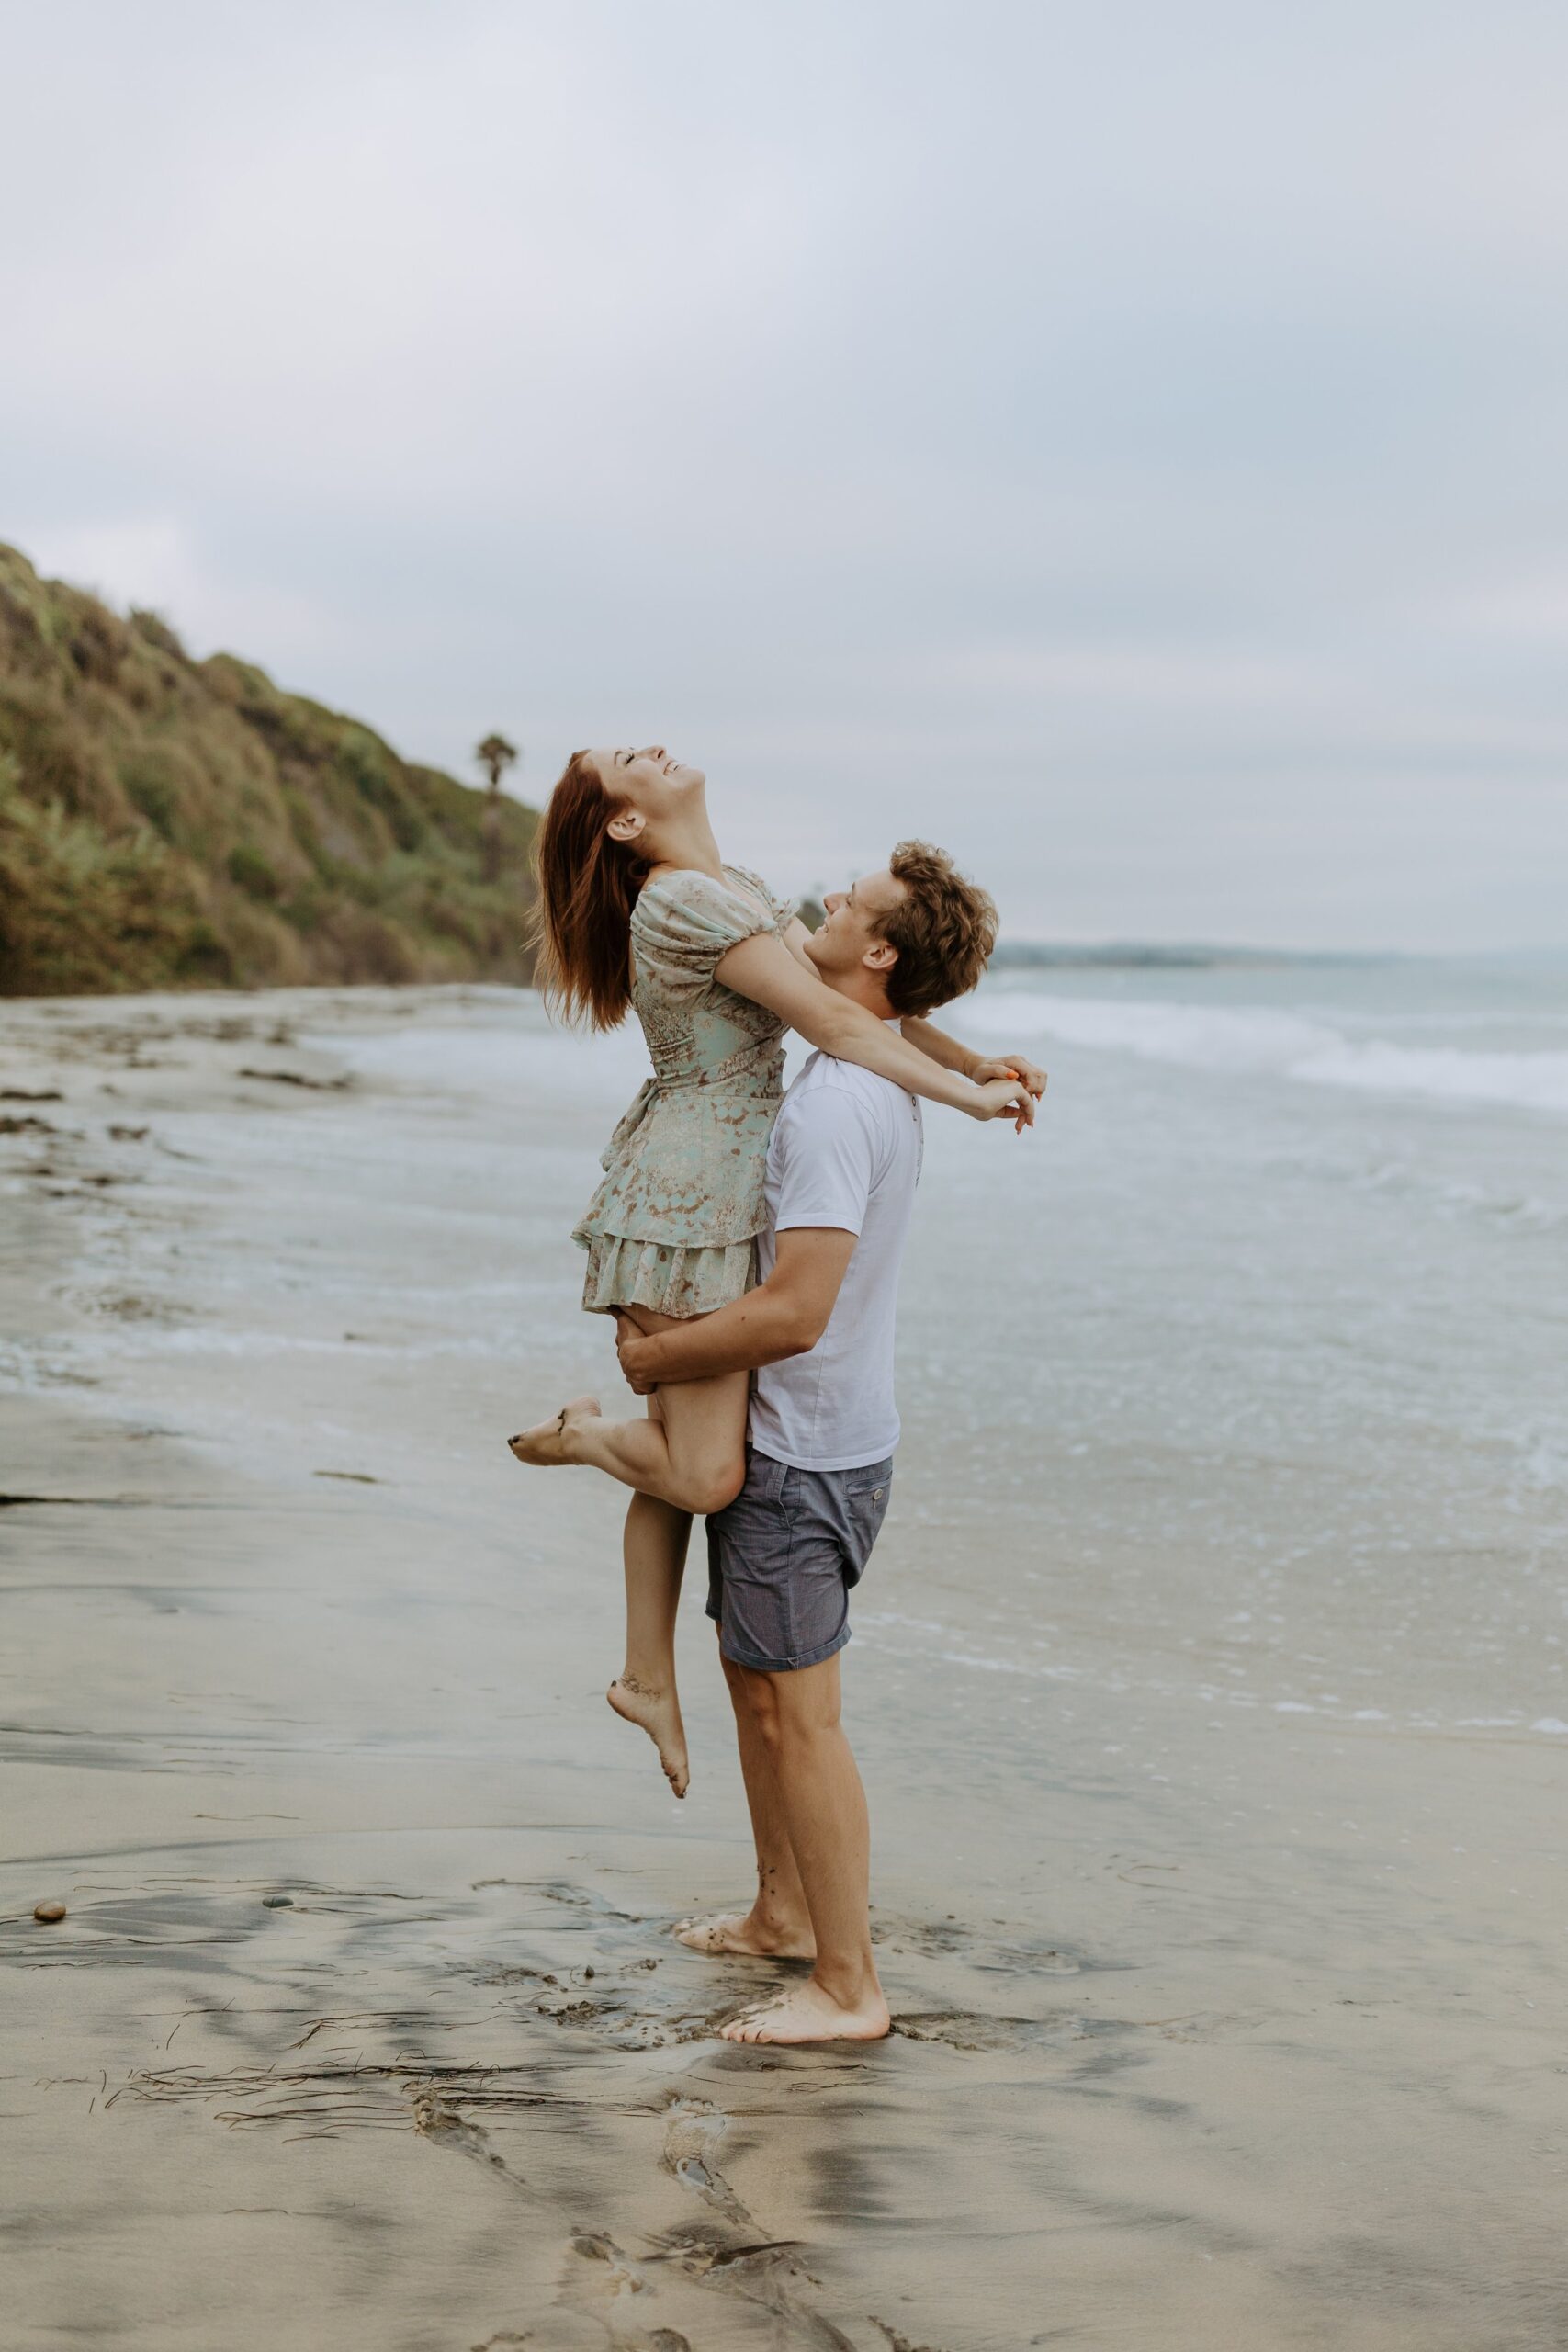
(654,1549)
(687,1456)
(691,1453)
(698,1445)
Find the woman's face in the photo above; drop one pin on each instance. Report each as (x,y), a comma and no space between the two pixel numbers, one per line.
(646,780)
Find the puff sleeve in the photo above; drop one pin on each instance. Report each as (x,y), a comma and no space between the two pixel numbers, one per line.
(784,910)
(685,923)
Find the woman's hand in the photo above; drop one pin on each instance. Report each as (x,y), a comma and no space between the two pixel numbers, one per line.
(1003,1098)
(1010,1066)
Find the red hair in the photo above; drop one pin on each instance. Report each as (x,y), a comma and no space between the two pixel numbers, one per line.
(588,887)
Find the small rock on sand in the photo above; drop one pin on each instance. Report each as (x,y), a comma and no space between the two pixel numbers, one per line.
(49,1912)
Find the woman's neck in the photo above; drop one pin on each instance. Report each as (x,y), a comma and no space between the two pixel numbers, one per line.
(686,846)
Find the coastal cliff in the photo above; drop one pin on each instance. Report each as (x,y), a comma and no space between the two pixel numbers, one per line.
(166,822)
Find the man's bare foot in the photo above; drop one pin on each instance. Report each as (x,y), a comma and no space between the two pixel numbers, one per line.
(657,1713)
(806,2013)
(548,1444)
(743,1933)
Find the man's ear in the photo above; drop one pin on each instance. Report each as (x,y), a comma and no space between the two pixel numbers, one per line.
(880,956)
(626,825)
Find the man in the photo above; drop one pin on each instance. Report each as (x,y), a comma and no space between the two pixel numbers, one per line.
(817,1332)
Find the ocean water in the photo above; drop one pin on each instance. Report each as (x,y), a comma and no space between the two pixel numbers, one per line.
(1241,1381)
(1264,1332)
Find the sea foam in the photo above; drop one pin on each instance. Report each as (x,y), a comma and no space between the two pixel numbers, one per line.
(1257,1040)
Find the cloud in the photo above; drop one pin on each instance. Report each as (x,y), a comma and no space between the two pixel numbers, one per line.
(154,560)
(1118,442)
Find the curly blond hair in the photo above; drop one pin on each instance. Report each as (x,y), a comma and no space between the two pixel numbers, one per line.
(944,928)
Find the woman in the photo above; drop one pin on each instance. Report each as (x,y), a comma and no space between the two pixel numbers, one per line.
(637,909)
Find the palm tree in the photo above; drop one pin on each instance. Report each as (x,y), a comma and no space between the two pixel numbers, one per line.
(495,755)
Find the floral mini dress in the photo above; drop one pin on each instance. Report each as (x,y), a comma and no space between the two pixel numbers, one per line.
(675,1225)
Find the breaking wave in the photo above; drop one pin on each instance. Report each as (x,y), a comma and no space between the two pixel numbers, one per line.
(1255,1040)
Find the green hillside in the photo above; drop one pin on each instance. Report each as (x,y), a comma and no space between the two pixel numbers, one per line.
(172,823)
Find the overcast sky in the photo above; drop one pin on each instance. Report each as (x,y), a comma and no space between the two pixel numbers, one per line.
(1127,443)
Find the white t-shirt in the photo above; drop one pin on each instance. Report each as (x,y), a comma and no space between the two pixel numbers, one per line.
(845,1152)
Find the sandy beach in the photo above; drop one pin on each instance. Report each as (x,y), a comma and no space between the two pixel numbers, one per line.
(1228,1989)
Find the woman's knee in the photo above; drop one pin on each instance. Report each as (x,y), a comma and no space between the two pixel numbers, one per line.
(728,1483)
(711,1486)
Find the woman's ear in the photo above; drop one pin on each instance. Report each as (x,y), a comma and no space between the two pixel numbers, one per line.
(626,825)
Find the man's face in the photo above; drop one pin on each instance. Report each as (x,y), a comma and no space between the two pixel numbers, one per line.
(851,933)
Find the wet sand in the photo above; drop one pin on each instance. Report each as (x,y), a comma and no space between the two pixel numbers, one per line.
(1212,2029)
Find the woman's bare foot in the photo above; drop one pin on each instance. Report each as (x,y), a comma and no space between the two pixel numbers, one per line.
(547,1445)
(744,1933)
(806,2013)
(657,1713)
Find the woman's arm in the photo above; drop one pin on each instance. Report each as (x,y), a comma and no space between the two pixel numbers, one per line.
(763,968)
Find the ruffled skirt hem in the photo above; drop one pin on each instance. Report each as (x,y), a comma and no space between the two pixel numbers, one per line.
(666,1277)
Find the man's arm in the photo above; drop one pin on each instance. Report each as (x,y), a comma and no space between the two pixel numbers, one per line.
(937,1046)
(786,1315)
(934,1043)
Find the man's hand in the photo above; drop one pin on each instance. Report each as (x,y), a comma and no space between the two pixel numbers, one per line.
(786,1315)
(629,1343)
(1010,1066)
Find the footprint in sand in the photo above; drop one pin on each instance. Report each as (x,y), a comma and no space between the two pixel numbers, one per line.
(969,2029)
(692,2135)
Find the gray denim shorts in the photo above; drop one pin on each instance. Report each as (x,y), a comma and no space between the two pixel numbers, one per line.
(783,1557)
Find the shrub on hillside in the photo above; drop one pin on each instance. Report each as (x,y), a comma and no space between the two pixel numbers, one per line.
(165,821)
(79,911)
(250,872)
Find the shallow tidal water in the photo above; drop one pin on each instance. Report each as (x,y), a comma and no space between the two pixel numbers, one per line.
(1208,1683)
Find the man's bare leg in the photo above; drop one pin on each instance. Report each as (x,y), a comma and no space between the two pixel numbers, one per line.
(778,1925)
(654,1551)
(823,1805)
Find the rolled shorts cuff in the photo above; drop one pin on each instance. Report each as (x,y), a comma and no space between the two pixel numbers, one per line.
(738,1656)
